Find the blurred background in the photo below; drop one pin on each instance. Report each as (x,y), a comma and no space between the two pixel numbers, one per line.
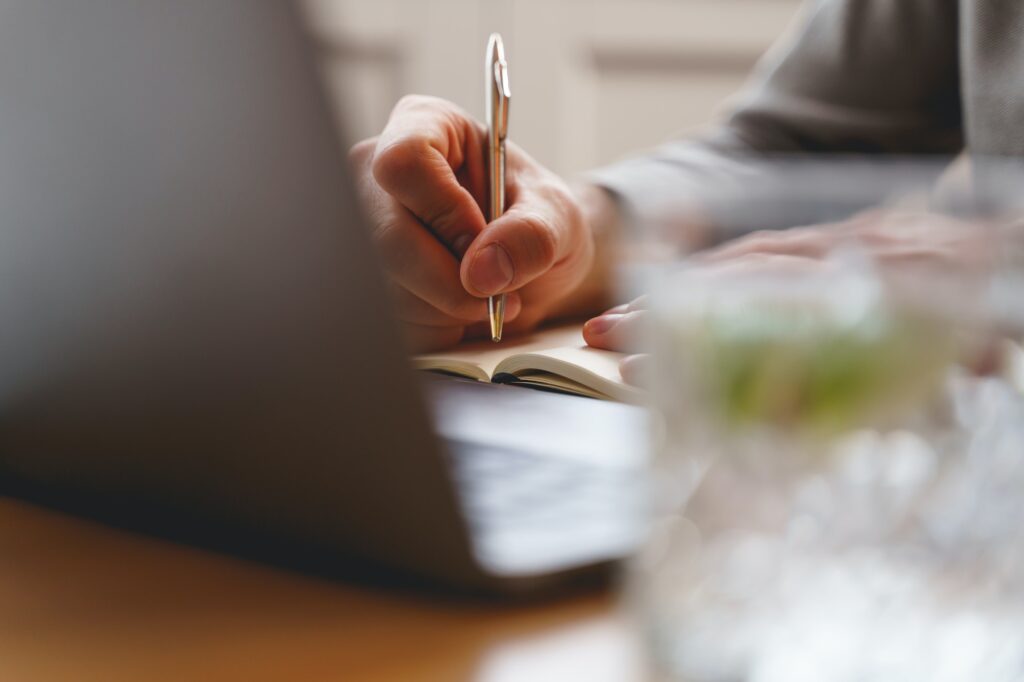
(592,80)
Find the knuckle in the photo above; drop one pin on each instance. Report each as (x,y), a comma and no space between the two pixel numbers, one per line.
(540,238)
(361,152)
(573,211)
(398,162)
(414,101)
(432,117)
(432,107)
(762,238)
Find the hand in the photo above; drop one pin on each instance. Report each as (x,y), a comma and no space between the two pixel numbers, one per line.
(891,239)
(899,243)
(424,183)
(623,329)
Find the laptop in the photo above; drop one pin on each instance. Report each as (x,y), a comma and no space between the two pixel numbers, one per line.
(195,337)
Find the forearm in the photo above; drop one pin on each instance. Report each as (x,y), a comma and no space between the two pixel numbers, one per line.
(618,243)
(841,85)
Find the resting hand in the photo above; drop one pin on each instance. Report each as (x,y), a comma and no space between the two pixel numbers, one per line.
(897,242)
(626,328)
(623,329)
(892,240)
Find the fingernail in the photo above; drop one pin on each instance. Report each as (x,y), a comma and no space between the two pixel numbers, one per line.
(491,269)
(462,243)
(604,323)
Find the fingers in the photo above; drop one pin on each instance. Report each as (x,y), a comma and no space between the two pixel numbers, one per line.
(413,257)
(814,242)
(636,370)
(623,329)
(623,332)
(759,265)
(541,231)
(417,262)
(427,293)
(620,328)
(426,143)
(412,309)
(887,237)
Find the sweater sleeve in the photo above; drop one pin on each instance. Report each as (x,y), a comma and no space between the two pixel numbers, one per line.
(859,79)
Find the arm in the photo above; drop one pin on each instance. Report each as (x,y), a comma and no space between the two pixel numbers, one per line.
(859,77)
(864,77)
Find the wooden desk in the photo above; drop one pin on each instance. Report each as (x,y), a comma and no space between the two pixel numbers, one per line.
(79,601)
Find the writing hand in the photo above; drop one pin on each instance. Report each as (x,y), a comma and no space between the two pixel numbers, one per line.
(424,182)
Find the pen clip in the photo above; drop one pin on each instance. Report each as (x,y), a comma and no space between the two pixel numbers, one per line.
(501,89)
(500,93)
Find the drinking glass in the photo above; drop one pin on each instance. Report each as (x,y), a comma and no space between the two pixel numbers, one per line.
(838,475)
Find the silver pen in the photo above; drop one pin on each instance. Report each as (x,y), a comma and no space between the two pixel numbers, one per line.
(498,96)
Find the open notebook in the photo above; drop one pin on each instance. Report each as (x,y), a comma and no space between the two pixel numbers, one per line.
(556,358)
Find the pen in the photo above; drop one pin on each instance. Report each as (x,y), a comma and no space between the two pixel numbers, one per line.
(498,95)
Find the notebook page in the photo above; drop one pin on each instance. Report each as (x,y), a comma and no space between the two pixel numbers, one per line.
(597,370)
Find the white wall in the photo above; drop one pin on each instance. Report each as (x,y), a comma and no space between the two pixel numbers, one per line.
(591,80)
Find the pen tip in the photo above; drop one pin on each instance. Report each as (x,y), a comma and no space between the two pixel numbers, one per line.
(496,312)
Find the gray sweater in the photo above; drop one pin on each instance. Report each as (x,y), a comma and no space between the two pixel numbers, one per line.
(860,77)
